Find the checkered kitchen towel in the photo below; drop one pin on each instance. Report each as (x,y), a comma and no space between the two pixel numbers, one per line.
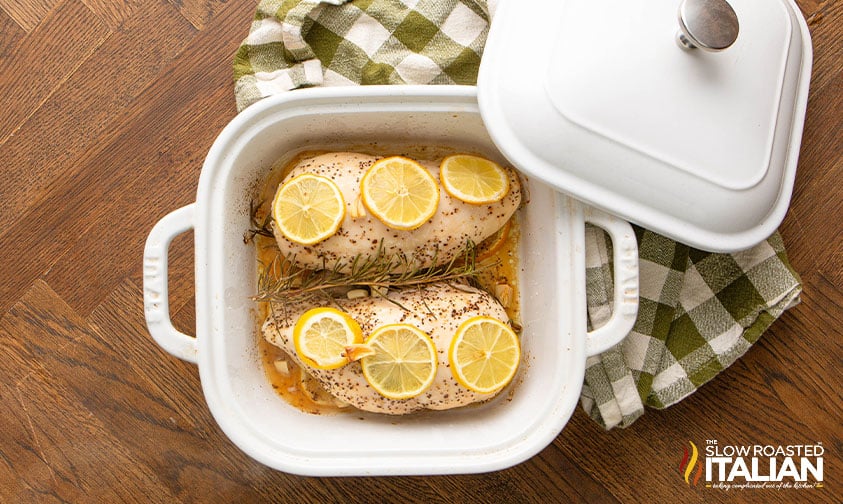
(699,311)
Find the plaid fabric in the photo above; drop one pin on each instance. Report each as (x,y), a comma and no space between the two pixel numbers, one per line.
(311,43)
(699,311)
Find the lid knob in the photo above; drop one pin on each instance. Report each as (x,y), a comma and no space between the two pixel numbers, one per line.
(711,25)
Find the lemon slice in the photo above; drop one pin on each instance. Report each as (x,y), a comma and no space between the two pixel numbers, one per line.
(321,336)
(308,208)
(403,364)
(473,179)
(400,192)
(484,354)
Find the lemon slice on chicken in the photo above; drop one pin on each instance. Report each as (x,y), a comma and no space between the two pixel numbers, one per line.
(321,336)
(473,179)
(403,362)
(308,209)
(400,192)
(484,354)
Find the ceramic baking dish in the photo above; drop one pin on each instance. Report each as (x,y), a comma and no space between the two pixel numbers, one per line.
(479,438)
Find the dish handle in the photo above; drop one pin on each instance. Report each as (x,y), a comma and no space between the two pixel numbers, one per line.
(625,298)
(156,304)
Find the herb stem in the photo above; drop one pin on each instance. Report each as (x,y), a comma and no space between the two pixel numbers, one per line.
(282,281)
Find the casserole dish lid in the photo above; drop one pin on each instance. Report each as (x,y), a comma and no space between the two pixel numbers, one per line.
(607,102)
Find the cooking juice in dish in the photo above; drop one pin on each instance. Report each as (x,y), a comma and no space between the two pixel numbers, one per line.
(496,257)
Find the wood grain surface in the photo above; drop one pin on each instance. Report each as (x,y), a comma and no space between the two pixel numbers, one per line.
(107,109)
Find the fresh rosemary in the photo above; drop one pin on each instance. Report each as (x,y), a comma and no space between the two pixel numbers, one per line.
(262,227)
(283,282)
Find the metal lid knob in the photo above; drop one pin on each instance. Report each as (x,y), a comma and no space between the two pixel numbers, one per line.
(711,25)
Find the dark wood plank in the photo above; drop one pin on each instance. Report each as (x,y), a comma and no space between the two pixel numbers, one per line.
(85,111)
(819,322)
(79,120)
(114,12)
(72,30)
(823,22)
(51,464)
(562,476)
(198,12)
(818,196)
(545,476)
(190,107)
(11,36)
(54,436)
(27,13)
(182,284)
(124,331)
(130,409)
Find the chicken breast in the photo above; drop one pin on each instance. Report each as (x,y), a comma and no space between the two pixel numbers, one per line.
(437,309)
(443,237)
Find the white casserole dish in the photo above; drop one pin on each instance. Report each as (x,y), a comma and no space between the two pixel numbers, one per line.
(479,438)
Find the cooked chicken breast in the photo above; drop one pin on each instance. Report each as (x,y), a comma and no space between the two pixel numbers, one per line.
(444,236)
(437,309)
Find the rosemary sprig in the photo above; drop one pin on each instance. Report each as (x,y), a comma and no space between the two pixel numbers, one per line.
(259,226)
(283,282)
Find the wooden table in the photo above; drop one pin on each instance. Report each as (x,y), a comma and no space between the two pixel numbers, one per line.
(108,109)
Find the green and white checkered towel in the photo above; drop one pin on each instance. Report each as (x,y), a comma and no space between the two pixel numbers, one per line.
(699,311)
(295,44)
